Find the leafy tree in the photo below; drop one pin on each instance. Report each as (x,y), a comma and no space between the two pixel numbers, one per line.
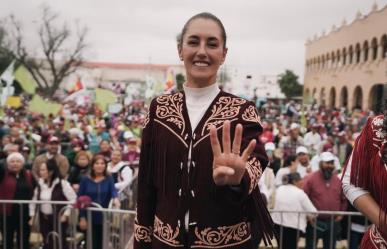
(288,82)
(61,49)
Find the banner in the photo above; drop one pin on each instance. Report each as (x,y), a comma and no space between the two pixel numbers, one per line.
(104,97)
(39,105)
(13,101)
(25,80)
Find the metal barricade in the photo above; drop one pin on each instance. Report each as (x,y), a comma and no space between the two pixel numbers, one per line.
(314,237)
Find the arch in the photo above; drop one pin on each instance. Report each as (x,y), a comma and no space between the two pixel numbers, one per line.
(374,46)
(327,61)
(357,53)
(350,54)
(365,51)
(358,98)
(376,95)
(344,97)
(333,56)
(332,97)
(307,97)
(338,58)
(318,63)
(314,94)
(322,97)
(383,43)
(344,56)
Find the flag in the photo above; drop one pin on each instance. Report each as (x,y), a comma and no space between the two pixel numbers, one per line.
(104,97)
(170,82)
(6,80)
(78,86)
(39,105)
(25,79)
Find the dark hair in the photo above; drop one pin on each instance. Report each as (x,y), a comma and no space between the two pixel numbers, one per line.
(53,167)
(95,159)
(291,178)
(203,15)
(289,160)
(384,156)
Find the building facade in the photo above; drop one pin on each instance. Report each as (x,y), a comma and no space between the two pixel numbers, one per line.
(348,66)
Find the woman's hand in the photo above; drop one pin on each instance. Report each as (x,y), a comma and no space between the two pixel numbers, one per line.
(229,165)
(63,218)
(83,224)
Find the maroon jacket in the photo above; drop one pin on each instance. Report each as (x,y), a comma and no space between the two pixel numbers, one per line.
(8,187)
(219,216)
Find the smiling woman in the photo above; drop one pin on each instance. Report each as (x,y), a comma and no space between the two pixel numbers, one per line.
(197,191)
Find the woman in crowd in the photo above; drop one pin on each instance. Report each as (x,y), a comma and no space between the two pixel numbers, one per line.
(123,176)
(51,187)
(189,194)
(81,168)
(290,166)
(16,183)
(99,186)
(291,197)
(365,179)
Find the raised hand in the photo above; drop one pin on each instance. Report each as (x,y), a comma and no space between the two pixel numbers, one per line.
(229,165)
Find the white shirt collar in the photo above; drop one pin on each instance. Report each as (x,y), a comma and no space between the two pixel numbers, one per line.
(195,95)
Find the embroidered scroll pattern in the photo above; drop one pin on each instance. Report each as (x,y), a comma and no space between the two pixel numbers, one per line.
(377,238)
(226,108)
(379,136)
(251,115)
(171,109)
(146,120)
(142,233)
(221,237)
(165,233)
(254,170)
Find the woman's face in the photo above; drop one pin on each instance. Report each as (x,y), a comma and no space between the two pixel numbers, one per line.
(104,146)
(83,161)
(99,167)
(43,172)
(202,50)
(15,165)
(116,157)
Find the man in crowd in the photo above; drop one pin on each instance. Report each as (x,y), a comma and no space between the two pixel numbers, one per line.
(323,188)
(289,144)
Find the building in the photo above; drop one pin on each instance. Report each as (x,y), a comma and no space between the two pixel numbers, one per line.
(348,66)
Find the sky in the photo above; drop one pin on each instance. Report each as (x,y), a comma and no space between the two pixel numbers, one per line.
(264,36)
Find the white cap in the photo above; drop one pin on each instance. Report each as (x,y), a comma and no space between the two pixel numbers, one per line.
(327,156)
(269,146)
(302,149)
(128,134)
(294,126)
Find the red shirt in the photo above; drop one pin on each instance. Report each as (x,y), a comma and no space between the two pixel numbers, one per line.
(326,195)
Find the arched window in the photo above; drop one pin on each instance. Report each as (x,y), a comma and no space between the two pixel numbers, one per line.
(350,54)
(374,45)
(333,56)
(365,50)
(338,59)
(384,46)
(358,53)
(344,56)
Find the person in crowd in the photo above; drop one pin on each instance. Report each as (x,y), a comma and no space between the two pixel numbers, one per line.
(274,161)
(80,169)
(99,186)
(312,139)
(315,162)
(323,188)
(291,197)
(290,166)
(304,167)
(186,188)
(123,176)
(342,148)
(51,187)
(289,144)
(76,145)
(16,183)
(105,149)
(53,151)
(365,179)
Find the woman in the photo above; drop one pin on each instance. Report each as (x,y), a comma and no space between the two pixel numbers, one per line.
(51,187)
(123,176)
(365,179)
(16,183)
(81,168)
(99,186)
(188,194)
(291,197)
(290,166)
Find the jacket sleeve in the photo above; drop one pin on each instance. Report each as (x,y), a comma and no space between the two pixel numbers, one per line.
(146,201)
(258,160)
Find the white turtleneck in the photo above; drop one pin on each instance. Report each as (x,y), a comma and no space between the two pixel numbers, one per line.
(198,100)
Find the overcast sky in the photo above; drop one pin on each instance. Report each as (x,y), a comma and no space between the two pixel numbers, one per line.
(265,36)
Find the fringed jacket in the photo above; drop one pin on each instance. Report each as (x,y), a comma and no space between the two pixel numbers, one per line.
(175,177)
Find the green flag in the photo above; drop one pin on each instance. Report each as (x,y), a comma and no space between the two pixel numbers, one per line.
(39,105)
(104,97)
(25,79)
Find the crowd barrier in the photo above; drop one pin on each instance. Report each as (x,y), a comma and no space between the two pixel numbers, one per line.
(118,227)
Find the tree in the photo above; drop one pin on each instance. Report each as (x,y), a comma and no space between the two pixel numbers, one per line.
(180,79)
(289,84)
(62,51)
(5,56)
